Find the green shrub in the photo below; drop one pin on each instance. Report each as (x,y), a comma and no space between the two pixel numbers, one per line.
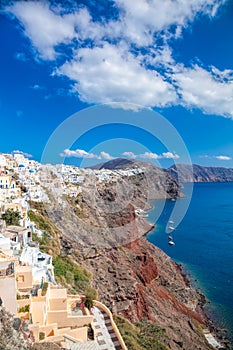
(11,217)
(44,289)
(41,335)
(90,296)
(42,221)
(24,296)
(25,308)
(142,336)
(68,271)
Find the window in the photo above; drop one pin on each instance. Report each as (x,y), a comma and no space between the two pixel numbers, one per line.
(21,278)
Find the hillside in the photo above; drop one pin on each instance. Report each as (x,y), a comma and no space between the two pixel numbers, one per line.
(187,173)
(141,283)
(100,230)
(121,163)
(197,173)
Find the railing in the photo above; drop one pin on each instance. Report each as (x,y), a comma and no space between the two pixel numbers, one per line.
(114,326)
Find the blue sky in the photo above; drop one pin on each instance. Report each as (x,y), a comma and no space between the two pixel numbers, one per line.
(175,58)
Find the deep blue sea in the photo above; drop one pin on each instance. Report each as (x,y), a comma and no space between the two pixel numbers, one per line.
(204,245)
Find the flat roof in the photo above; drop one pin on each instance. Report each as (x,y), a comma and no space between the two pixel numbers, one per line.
(23,268)
(57,293)
(16,229)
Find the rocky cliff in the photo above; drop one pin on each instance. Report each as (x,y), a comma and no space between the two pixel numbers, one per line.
(140,282)
(179,172)
(14,333)
(197,173)
(104,213)
(101,231)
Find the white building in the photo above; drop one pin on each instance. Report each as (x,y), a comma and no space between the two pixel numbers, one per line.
(41,264)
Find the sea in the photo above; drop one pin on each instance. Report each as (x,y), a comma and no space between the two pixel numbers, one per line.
(203,245)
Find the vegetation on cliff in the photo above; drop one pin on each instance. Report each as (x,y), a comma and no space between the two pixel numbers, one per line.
(49,243)
(134,278)
(67,272)
(143,335)
(11,217)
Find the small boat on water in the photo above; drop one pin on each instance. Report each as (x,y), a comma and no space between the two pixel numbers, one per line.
(170,238)
(141,212)
(171,243)
(171,222)
(171,228)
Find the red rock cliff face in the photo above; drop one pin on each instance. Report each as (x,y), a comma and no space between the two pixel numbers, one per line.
(133,277)
(140,281)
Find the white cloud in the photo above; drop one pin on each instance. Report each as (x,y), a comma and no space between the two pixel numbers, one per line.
(105,155)
(143,18)
(212,91)
(129,155)
(80,153)
(27,155)
(111,72)
(37,87)
(222,157)
(44,28)
(169,155)
(104,65)
(151,155)
(148,155)
(127,106)
(47,29)
(137,23)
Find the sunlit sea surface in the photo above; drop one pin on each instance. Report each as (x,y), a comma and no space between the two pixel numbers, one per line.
(204,245)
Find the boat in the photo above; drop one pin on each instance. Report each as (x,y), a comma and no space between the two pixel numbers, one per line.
(170,238)
(141,212)
(171,243)
(171,228)
(171,222)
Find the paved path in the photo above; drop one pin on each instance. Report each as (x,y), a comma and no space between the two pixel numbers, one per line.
(106,336)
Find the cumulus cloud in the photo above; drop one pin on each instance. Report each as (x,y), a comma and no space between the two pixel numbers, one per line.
(80,153)
(27,155)
(169,155)
(128,58)
(44,28)
(143,18)
(129,155)
(212,90)
(220,157)
(148,155)
(104,72)
(151,155)
(127,106)
(105,155)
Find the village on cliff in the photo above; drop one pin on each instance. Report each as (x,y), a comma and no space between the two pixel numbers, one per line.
(43,309)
